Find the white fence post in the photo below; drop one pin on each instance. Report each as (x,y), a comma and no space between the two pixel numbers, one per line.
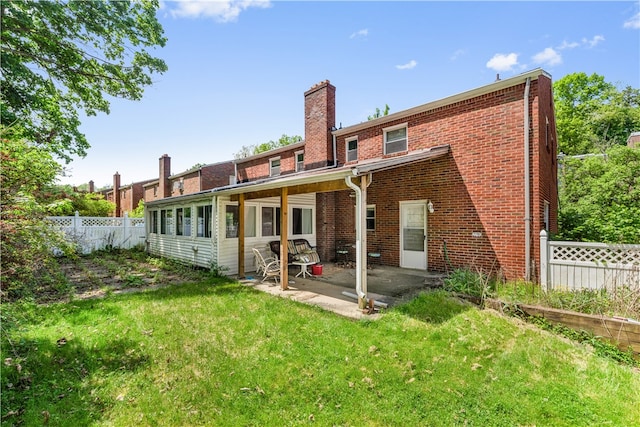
(126,242)
(544,260)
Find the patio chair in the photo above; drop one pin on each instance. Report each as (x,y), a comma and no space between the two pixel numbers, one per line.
(268,267)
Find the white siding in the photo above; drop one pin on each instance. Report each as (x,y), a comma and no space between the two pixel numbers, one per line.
(228,247)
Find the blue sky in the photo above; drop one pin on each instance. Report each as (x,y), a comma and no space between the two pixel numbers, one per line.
(238,69)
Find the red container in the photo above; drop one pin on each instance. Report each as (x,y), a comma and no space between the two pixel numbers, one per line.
(316,269)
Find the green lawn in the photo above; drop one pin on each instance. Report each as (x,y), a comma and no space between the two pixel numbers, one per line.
(218,353)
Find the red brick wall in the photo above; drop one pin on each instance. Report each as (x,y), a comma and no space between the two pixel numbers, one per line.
(216,175)
(259,168)
(151,192)
(477,188)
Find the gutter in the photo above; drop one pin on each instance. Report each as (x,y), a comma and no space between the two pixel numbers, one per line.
(527,186)
(358,192)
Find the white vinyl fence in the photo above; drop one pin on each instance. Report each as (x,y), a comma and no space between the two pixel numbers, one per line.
(97,233)
(575,265)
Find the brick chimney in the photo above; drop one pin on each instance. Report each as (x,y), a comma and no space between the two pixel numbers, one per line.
(91,187)
(164,186)
(116,194)
(319,118)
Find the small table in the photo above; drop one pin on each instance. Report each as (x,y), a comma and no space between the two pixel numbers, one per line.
(303,268)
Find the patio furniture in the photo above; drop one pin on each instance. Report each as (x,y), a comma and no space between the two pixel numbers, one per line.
(297,250)
(342,253)
(269,268)
(374,256)
(303,268)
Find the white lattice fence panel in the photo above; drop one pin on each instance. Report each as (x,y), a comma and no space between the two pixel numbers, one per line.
(573,265)
(97,233)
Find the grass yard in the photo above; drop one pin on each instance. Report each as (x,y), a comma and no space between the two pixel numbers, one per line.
(218,353)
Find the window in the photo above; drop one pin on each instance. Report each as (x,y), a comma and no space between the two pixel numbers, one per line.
(166,221)
(183,221)
(274,166)
(231,220)
(352,149)
(371,217)
(302,221)
(546,215)
(299,161)
(270,221)
(154,221)
(204,221)
(395,139)
(250,221)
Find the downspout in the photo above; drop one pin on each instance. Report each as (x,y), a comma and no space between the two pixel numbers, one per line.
(527,186)
(335,151)
(358,192)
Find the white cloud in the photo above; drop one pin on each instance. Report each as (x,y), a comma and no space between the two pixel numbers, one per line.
(547,57)
(220,10)
(502,62)
(409,65)
(595,40)
(457,54)
(361,33)
(633,22)
(568,45)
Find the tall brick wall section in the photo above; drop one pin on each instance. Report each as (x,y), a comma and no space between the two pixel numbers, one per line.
(216,175)
(326,225)
(151,192)
(477,189)
(116,195)
(319,117)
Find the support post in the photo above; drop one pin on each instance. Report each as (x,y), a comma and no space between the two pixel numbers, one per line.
(544,261)
(284,236)
(241,236)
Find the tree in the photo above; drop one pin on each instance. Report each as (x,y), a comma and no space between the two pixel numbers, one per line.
(138,212)
(252,150)
(25,237)
(379,113)
(600,197)
(61,57)
(592,114)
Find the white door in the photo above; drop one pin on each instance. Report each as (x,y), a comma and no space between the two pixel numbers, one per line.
(413,235)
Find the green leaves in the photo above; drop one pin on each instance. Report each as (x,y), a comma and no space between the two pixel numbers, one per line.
(592,114)
(600,197)
(61,57)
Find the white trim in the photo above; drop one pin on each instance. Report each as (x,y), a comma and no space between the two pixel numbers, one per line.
(271,168)
(385,132)
(346,148)
(295,158)
(426,246)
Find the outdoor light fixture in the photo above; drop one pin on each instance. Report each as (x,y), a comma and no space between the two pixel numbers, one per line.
(430,207)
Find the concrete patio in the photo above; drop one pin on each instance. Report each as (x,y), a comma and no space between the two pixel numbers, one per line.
(386,285)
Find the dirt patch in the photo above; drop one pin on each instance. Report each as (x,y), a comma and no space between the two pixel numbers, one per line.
(122,271)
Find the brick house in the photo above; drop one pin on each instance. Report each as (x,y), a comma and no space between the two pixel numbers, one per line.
(191,181)
(464,181)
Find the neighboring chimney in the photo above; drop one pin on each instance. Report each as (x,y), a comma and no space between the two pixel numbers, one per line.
(319,118)
(91,187)
(116,194)
(164,187)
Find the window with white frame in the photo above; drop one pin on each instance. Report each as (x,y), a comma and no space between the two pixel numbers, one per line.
(270,219)
(371,217)
(250,221)
(299,161)
(204,224)
(302,221)
(231,220)
(154,222)
(352,149)
(183,221)
(547,208)
(166,221)
(274,166)
(395,139)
